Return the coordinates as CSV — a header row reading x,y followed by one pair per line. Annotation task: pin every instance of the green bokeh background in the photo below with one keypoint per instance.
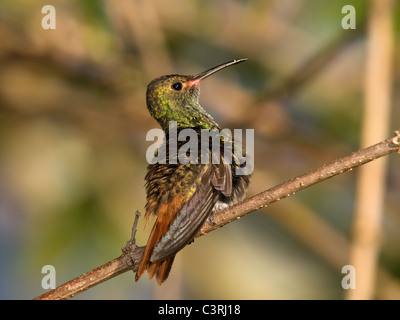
x,y
73,122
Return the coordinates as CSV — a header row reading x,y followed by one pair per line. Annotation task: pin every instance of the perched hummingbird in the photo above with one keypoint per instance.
x,y
183,196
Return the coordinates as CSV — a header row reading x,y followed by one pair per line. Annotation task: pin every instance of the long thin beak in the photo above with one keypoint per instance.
x,y
201,76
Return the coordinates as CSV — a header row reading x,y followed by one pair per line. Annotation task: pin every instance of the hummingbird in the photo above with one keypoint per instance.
x,y
183,196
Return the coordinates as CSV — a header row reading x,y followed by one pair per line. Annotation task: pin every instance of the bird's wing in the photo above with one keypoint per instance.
x,y
195,211
222,177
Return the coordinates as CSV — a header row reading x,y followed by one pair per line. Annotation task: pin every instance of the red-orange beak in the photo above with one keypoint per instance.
x,y
201,76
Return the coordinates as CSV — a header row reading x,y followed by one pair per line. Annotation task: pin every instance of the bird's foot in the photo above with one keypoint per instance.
x,y
131,244
210,219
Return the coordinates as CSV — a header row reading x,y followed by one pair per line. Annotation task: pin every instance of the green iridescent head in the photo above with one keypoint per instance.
x,y
176,98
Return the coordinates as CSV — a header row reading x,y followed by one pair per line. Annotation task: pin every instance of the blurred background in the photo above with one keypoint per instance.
x,y
73,122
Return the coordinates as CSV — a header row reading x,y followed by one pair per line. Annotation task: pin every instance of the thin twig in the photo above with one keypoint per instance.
x,y
131,256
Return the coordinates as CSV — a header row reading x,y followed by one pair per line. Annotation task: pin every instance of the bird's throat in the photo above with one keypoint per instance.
x,y
189,116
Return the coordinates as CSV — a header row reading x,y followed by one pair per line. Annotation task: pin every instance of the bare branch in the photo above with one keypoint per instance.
x,y
294,185
129,260
132,254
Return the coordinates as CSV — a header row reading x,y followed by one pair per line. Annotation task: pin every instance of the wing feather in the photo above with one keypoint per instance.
x,y
189,220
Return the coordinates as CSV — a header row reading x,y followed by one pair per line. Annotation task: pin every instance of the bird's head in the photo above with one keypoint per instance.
x,y
176,98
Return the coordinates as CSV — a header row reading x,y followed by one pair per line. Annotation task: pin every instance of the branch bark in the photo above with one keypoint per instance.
x,y
132,254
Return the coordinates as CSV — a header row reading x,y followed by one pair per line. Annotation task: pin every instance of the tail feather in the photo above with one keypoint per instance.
x,y
145,263
166,213
164,269
160,269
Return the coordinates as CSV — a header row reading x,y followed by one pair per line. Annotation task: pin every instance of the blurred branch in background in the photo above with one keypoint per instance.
x,y
139,24
307,71
371,182
313,65
327,242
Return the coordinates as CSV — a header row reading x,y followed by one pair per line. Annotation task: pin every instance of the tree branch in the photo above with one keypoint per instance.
x,y
132,254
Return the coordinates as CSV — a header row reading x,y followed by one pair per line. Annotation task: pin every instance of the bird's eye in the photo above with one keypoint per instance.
x,y
177,86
